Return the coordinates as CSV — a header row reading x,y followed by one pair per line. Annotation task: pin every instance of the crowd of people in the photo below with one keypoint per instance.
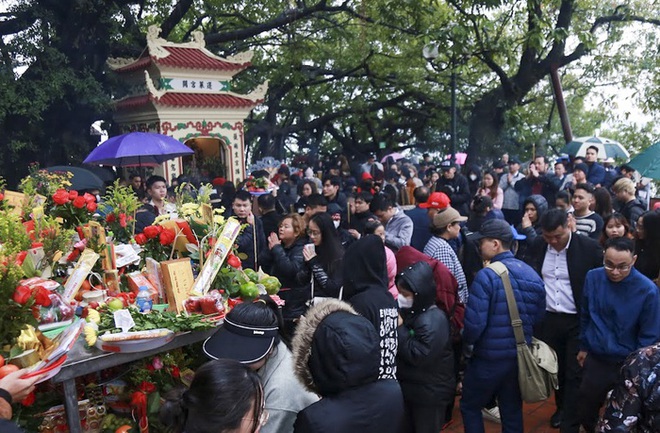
x,y
403,246
390,311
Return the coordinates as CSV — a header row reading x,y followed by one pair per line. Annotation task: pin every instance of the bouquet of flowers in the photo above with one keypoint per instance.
x,y
156,242
14,316
74,209
119,206
40,184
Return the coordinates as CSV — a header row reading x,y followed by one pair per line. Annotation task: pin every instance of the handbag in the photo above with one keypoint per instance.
x,y
319,299
537,363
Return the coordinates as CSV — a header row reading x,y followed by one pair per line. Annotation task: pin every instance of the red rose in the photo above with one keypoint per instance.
x,y
79,202
176,373
42,296
167,237
20,258
110,218
122,219
151,231
73,194
22,295
89,198
61,197
91,206
147,387
141,239
2,196
233,261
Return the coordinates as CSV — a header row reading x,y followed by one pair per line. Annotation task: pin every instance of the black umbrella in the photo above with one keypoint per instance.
x,y
83,179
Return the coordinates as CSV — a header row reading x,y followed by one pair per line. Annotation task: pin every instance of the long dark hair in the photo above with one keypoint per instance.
x,y
619,218
330,250
492,190
648,249
603,202
220,396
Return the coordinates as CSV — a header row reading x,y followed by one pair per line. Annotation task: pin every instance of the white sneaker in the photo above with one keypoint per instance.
x,y
492,414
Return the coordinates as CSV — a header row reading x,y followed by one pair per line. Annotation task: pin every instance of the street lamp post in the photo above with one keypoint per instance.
x,y
430,53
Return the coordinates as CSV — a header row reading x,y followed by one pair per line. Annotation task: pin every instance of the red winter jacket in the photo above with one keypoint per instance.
x,y
446,286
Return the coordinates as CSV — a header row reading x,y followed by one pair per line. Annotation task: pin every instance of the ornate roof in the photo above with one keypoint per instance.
x,y
198,100
188,55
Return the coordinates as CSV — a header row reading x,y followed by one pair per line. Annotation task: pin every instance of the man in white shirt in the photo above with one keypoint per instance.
x,y
563,258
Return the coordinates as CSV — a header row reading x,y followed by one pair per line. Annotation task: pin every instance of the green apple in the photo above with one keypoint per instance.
x,y
115,304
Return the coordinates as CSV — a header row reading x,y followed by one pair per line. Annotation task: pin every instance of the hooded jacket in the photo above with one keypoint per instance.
x,y
337,355
446,286
541,205
365,288
425,361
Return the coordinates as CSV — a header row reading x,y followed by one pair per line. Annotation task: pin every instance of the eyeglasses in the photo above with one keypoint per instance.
x,y
620,268
313,233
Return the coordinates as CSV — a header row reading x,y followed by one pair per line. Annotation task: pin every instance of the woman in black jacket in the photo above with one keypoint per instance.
x,y
336,354
284,260
425,359
323,260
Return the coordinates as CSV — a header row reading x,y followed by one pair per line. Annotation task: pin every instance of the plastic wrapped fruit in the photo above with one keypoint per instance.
x,y
208,304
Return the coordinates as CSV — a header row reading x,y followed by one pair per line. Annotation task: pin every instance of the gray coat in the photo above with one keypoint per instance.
x,y
399,230
284,394
511,196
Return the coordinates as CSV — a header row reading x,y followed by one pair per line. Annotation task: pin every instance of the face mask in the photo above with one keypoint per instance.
x,y
404,302
336,224
473,177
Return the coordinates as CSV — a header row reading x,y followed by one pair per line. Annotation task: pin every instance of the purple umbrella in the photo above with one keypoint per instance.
x,y
137,149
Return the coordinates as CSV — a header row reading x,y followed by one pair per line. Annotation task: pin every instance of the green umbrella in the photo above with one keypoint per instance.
x,y
647,163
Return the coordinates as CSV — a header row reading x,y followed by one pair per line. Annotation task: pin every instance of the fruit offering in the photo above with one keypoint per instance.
x,y
208,304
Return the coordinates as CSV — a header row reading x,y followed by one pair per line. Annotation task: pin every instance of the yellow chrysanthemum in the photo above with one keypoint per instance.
x,y
90,333
93,316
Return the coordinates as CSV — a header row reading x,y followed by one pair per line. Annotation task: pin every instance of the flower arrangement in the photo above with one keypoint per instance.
x,y
15,241
119,206
156,242
74,209
40,184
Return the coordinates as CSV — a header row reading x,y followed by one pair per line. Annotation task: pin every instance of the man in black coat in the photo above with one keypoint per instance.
x,y
455,185
242,209
562,258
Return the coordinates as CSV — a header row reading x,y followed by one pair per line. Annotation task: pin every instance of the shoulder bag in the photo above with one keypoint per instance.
x,y
537,363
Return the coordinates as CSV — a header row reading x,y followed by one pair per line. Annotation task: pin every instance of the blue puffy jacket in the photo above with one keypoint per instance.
x,y
487,320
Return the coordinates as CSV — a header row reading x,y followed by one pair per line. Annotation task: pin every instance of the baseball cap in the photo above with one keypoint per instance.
x,y
495,229
437,200
446,164
514,160
446,217
239,341
499,164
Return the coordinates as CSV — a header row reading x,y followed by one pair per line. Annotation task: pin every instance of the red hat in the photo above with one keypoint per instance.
x,y
366,176
437,200
218,181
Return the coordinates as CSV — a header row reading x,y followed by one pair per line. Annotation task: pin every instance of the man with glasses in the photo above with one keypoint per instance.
x,y
563,258
620,314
